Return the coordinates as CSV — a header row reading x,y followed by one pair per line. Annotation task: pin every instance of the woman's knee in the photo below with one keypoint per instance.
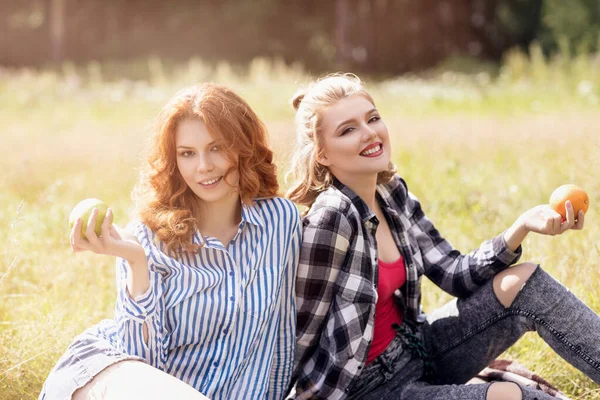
x,y
134,379
102,385
96,388
504,391
509,282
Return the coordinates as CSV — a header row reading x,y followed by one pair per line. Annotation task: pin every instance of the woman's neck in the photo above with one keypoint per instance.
x,y
221,219
365,187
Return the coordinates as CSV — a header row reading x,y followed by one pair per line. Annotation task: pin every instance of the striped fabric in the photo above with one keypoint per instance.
x,y
222,320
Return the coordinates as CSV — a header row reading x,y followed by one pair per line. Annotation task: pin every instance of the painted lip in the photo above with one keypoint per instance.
x,y
210,183
373,150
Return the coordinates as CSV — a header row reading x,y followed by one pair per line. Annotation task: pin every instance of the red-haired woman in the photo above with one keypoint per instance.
x,y
205,277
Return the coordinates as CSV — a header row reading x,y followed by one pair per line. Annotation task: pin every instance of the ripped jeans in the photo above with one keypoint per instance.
x,y
464,336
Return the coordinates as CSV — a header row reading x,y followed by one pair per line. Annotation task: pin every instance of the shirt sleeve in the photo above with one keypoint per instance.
x,y
456,273
131,314
281,368
325,245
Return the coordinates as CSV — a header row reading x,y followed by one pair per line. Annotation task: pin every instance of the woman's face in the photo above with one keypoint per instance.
x,y
355,141
203,163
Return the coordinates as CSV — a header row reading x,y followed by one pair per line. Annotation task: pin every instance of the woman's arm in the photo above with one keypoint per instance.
x,y
116,242
321,255
283,358
543,220
137,312
325,251
139,319
139,315
460,274
457,274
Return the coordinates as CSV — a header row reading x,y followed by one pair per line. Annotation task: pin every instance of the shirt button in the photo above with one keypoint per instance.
x,y
216,364
231,273
232,298
225,331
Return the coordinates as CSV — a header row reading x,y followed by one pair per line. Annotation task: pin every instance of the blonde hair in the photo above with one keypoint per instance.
x,y
165,203
309,176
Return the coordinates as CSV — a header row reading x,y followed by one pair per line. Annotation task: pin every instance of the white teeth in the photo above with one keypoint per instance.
x,y
371,150
207,183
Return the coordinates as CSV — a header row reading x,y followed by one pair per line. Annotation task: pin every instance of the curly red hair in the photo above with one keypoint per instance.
x,y
164,201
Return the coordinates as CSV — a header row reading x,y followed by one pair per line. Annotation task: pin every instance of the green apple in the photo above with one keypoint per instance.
x,y
83,210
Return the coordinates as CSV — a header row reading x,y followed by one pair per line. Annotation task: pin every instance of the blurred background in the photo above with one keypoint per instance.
x,y
376,36
490,105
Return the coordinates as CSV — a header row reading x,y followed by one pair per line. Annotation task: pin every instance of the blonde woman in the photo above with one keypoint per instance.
x,y
361,333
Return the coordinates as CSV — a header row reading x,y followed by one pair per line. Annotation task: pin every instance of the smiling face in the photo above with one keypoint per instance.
x,y
354,140
203,164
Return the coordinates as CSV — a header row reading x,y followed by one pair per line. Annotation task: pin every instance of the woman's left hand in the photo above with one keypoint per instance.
x,y
543,219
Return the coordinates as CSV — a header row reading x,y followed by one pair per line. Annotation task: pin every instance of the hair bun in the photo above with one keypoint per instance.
x,y
297,99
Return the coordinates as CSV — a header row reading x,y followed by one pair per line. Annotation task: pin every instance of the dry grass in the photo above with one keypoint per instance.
x,y
474,173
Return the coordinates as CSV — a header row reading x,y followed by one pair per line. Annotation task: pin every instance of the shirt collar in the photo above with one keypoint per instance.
x,y
385,199
251,214
364,211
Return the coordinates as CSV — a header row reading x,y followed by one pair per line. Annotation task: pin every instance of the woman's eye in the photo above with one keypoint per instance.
x,y
347,130
215,148
186,153
374,118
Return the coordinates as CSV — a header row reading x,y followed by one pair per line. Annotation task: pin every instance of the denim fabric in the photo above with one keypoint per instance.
x,y
465,335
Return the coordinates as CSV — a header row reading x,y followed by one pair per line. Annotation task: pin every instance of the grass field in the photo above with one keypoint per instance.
x,y
477,149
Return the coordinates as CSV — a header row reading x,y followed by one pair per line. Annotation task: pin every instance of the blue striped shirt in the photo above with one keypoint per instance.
x,y
223,320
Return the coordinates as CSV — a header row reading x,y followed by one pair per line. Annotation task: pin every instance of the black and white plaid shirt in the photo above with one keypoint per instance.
x,y
337,277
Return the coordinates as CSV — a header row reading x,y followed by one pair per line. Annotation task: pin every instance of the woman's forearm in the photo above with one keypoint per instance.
x,y
138,279
515,235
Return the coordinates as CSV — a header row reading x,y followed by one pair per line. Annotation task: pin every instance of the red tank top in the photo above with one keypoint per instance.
x,y
391,277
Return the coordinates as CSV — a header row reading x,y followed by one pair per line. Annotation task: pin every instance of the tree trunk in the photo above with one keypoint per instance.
x,y
341,39
57,29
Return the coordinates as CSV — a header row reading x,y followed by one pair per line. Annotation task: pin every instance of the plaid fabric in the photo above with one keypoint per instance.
x,y
337,275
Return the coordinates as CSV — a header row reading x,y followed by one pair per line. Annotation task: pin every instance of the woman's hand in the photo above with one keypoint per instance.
x,y
110,242
114,243
544,220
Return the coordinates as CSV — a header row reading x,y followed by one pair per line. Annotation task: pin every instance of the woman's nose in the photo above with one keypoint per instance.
x,y
369,133
205,164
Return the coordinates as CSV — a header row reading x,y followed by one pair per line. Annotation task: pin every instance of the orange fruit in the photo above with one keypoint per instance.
x,y
575,194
